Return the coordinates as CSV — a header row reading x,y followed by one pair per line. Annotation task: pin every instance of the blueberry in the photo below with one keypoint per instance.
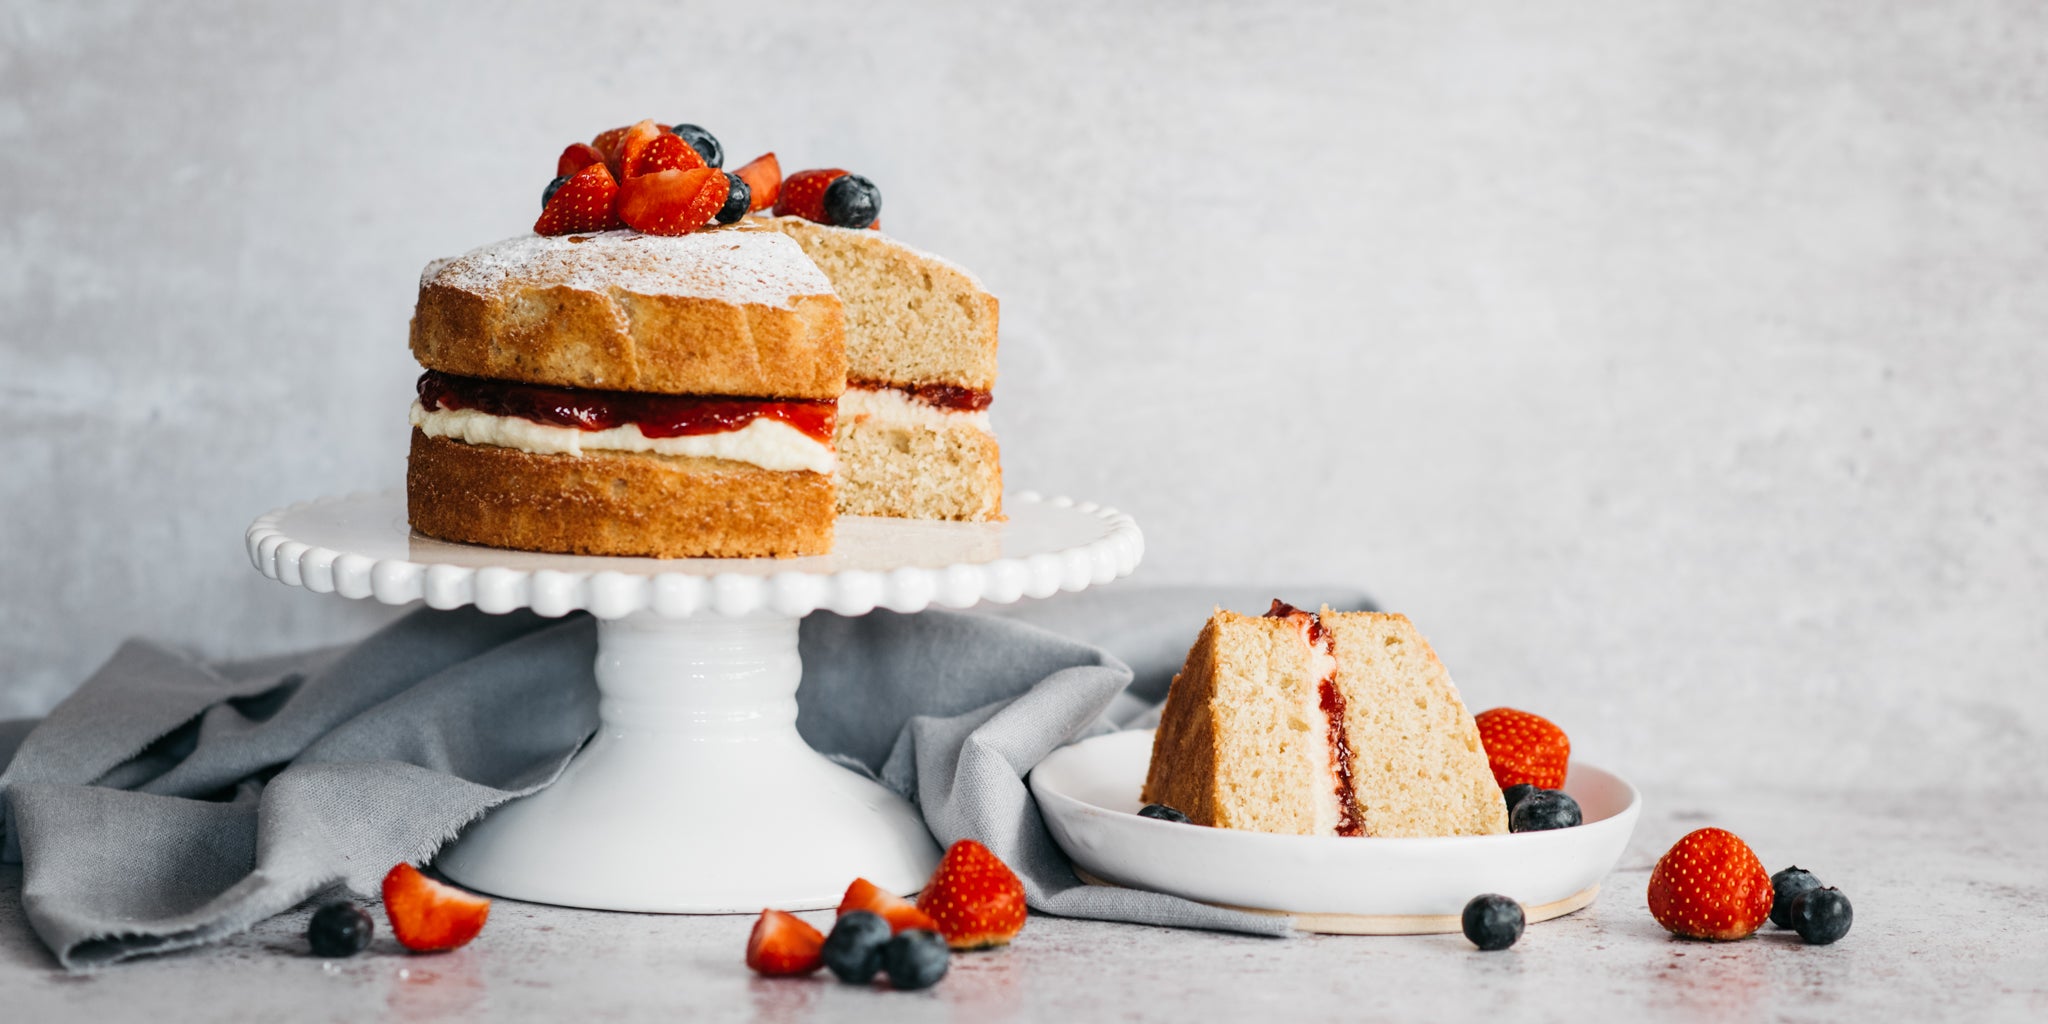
x,y
740,196
852,201
915,959
1162,812
705,143
1514,794
854,949
1786,886
549,192
1544,810
1493,921
1821,916
339,929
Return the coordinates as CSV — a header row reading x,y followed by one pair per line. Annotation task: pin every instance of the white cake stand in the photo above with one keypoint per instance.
x,y
697,795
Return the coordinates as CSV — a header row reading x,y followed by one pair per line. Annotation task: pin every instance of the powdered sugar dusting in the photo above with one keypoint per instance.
x,y
744,265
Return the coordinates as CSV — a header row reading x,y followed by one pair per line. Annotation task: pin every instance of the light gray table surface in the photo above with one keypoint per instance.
x,y
1951,898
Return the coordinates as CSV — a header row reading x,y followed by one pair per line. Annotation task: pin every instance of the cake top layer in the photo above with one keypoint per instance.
x,y
743,264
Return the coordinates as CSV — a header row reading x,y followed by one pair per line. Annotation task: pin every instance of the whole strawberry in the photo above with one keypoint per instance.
x,y
1521,747
1710,886
974,897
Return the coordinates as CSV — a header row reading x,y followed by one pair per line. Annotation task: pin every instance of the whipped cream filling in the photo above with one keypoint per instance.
x,y
768,443
889,407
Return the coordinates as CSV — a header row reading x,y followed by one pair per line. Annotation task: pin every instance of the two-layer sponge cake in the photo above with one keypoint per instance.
x,y
1338,723
621,393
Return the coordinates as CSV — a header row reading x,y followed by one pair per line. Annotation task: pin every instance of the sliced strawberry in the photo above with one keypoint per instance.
x,y
428,916
899,912
1710,885
583,203
763,174
636,139
803,194
975,898
672,202
783,943
1521,747
578,156
666,153
607,142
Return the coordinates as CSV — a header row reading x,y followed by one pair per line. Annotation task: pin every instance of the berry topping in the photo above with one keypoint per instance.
x,y
782,943
1162,812
664,153
578,156
854,949
1710,886
607,142
899,912
583,203
672,202
631,145
852,202
705,143
1493,921
1821,916
1786,886
1513,795
803,194
915,959
1543,810
1522,747
429,916
738,197
975,897
339,929
763,174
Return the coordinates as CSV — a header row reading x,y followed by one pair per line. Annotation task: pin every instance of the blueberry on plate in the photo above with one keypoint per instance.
x,y
1514,794
1493,921
1162,812
549,192
339,929
738,197
915,959
854,949
1544,810
1821,916
705,143
852,201
1786,886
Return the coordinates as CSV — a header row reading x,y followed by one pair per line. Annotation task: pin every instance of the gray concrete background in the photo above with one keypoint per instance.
x,y
1675,365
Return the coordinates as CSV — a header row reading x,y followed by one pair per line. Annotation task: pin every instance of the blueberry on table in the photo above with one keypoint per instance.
x,y
1821,916
738,197
915,959
1544,810
1514,794
1786,886
852,201
1162,812
1493,921
854,949
549,192
339,929
705,143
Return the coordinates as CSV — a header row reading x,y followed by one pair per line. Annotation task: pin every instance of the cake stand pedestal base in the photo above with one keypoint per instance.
x,y
696,795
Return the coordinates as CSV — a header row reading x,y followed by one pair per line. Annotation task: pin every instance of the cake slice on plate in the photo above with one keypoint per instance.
x,y
1333,724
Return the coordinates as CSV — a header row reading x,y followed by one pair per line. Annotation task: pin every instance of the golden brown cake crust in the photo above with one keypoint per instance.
x,y
735,311
614,503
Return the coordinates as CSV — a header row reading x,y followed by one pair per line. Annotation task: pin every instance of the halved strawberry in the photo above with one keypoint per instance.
x,y
607,142
783,943
1521,747
975,898
803,194
763,174
665,153
578,156
1710,885
630,145
672,202
429,917
899,912
583,203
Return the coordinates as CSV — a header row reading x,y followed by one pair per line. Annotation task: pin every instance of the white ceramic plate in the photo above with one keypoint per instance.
x,y
1088,793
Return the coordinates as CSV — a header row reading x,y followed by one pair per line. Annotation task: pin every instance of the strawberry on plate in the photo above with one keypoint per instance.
x,y
1709,885
899,912
428,916
575,158
975,898
782,943
583,203
665,153
763,174
1521,747
672,202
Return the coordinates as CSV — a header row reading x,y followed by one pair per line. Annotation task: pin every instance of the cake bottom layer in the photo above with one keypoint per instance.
x,y
918,472
614,503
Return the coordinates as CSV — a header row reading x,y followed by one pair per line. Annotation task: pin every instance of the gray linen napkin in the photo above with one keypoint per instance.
x,y
168,803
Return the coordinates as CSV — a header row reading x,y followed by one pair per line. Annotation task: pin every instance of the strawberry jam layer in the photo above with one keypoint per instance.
x,y
655,415
1350,822
949,397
